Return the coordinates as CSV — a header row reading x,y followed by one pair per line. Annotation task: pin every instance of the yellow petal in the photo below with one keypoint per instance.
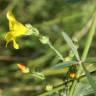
x,y
11,19
8,38
16,27
16,46
19,29
10,16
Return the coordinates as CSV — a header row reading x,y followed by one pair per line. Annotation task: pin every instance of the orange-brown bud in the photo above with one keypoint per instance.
x,y
23,68
72,75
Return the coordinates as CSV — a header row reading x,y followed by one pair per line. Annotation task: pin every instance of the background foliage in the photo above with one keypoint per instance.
x,y
50,17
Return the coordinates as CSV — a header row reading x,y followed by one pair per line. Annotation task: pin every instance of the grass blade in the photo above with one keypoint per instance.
x,y
71,45
65,64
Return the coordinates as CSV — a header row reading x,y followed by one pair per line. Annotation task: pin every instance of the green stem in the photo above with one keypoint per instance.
x,y
84,55
52,91
57,52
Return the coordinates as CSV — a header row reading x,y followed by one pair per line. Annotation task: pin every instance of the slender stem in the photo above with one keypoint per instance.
x,y
71,93
52,91
57,52
84,55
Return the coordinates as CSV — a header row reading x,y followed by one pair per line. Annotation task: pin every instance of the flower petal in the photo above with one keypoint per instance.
x,y
15,45
19,29
10,16
11,19
15,26
8,38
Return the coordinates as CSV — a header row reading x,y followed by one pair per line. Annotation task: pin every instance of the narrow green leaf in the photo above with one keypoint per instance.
x,y
71,45
65,64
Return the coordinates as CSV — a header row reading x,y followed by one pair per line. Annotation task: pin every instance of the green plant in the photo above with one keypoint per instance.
x,y
41,59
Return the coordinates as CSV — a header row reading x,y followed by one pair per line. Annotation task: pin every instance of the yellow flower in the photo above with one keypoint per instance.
x,y
16,29
23,68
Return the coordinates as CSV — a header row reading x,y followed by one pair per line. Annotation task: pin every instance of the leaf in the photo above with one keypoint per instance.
x,y
71,45
90,93
65,64
82,88
90,79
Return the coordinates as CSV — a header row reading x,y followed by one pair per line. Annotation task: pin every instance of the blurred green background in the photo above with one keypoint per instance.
x,y
50,17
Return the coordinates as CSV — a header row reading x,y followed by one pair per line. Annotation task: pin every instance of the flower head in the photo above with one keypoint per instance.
x,y
16,29
23,68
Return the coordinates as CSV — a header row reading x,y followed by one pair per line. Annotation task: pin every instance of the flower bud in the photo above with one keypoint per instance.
x,y
44,40
49,87
23,68
72,75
